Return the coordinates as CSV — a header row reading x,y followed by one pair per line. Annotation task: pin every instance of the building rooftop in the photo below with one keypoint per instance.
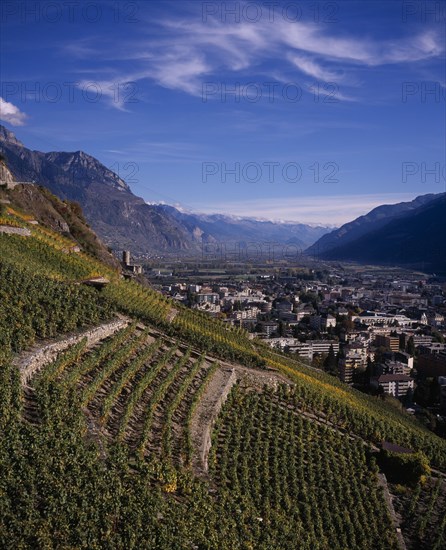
x,y
394,448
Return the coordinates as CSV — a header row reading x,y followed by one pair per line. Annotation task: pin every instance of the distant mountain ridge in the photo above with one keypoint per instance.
x,y
245,230
407,234
374,220
125,221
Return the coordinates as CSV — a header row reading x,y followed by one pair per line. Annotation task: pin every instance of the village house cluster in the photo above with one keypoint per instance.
x,y
380,331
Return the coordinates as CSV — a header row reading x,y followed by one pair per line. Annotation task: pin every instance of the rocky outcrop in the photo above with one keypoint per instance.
x,y
6,177
43,208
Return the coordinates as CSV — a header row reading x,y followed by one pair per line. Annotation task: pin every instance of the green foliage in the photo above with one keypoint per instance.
x,y
125,382
33,306
126,378
352,411
216,337
282,481
176,403
423,513
10,396
44,256
139,389
88,364
291,483
406,468
368,417
57,492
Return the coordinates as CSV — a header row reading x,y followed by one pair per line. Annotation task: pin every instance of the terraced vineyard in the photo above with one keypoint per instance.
x,y
290,481
423,511
91,444
348,408
33,306
135,388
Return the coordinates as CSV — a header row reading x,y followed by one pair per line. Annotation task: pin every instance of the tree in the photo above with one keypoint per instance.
x,y
427,392
408,468
368,371
318,361
410,347
330,363
408,398
281,329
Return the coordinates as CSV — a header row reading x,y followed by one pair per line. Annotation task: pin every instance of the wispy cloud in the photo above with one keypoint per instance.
x,y
11,114
313,209
188,51
112,89
144,152
180,69
310,67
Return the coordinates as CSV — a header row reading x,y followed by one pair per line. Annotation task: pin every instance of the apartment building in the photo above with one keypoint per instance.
x,y
394,384
389,342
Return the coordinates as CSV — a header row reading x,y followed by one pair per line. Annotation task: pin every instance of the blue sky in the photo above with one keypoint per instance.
x,y
306,111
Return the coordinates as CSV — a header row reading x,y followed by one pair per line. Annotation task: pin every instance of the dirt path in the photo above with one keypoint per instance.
x,y
205,414
213,399
172,314
259,378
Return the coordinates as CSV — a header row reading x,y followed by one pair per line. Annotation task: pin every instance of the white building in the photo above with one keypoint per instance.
x,y
395,384
328,321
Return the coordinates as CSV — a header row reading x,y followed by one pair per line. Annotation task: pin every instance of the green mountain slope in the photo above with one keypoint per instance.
x,y
62,217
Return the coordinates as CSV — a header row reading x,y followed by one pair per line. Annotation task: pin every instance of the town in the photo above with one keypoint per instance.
x,y
380,329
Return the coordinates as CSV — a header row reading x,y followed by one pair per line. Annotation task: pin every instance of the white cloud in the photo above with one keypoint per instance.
x,y
364,51
308,48
312,68
11,114
180,70
187,52
112,90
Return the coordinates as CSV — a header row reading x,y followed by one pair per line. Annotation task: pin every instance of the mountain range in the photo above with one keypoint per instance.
x,y
125,221
410,234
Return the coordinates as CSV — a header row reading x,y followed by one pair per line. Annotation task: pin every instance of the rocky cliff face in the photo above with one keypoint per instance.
x,y
50,211
5,175
7,136
86,170
121,219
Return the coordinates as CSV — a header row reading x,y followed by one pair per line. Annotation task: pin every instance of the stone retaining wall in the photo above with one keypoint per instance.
x,y
30,362
382,481
226,385
15,230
